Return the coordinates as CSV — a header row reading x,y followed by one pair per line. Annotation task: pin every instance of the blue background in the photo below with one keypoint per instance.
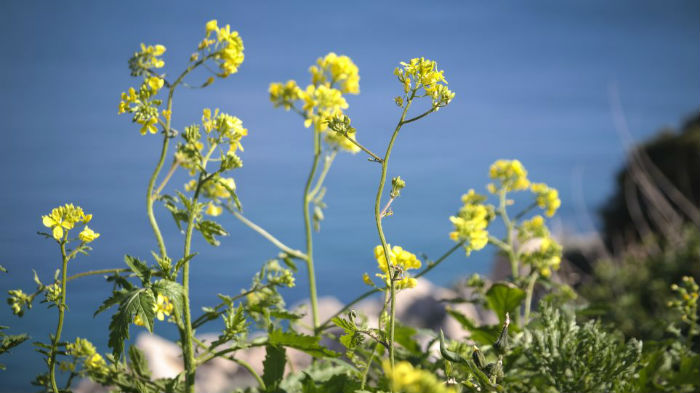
x,y
532,82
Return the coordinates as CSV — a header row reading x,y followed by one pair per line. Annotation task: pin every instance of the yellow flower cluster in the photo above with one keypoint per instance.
x,y
226,49
686,301
323,99
471,222
82,348
545,256
163,308
65,218
510,174
142,104
547,198
399,258
423,73
408,379
333,69
228,127
215,190
285,94
146,59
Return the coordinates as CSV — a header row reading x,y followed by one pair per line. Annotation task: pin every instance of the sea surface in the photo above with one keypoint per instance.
x,y
533,81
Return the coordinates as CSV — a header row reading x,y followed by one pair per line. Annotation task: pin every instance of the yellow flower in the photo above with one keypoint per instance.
x,y
87,235
367,279
155,83
211,26
333,69
163,307
546,198
148,125
138,321
421,73
64,217
511,175
285,94
213,210
400,258
405,378
472,221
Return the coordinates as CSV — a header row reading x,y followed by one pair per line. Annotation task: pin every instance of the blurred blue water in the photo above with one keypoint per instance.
x,y
531,82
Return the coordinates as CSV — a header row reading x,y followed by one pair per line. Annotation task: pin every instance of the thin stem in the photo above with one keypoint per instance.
x,y
308,232
369,364
321,177
171,171
96,272
433,109
150,198
444,256
423,272
388,205
149,192
295,253
250,369
528,296
364,149
380,230
61,312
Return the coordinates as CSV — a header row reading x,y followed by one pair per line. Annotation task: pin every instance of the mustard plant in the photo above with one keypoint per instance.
x,y
384,357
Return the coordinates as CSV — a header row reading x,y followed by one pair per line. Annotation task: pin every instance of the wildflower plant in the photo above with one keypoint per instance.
x,y
149,292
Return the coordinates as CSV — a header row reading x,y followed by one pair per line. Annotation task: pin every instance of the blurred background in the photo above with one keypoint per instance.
x,y
543,81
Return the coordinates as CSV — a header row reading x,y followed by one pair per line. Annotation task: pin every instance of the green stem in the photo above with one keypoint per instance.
x,y
151,183
380,230
308,232
528,297
369,364
150,196
294,253
187,332
328,162
423,272
96,272
61,312
252,372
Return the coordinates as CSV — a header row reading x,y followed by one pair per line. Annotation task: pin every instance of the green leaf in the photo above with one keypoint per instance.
x,y
139,268
273,367
116,298
484,335
182,261
173,291
504,297
403,335
139,302
209,229
302,342
138,364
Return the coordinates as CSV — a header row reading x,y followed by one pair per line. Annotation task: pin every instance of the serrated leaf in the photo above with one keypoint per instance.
x,y
173,291
209,229
183,260
504,297
114,299
139,302
302,342
139,267
273,367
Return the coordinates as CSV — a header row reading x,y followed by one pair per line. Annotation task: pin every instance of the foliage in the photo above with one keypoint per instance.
x,y
527,350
